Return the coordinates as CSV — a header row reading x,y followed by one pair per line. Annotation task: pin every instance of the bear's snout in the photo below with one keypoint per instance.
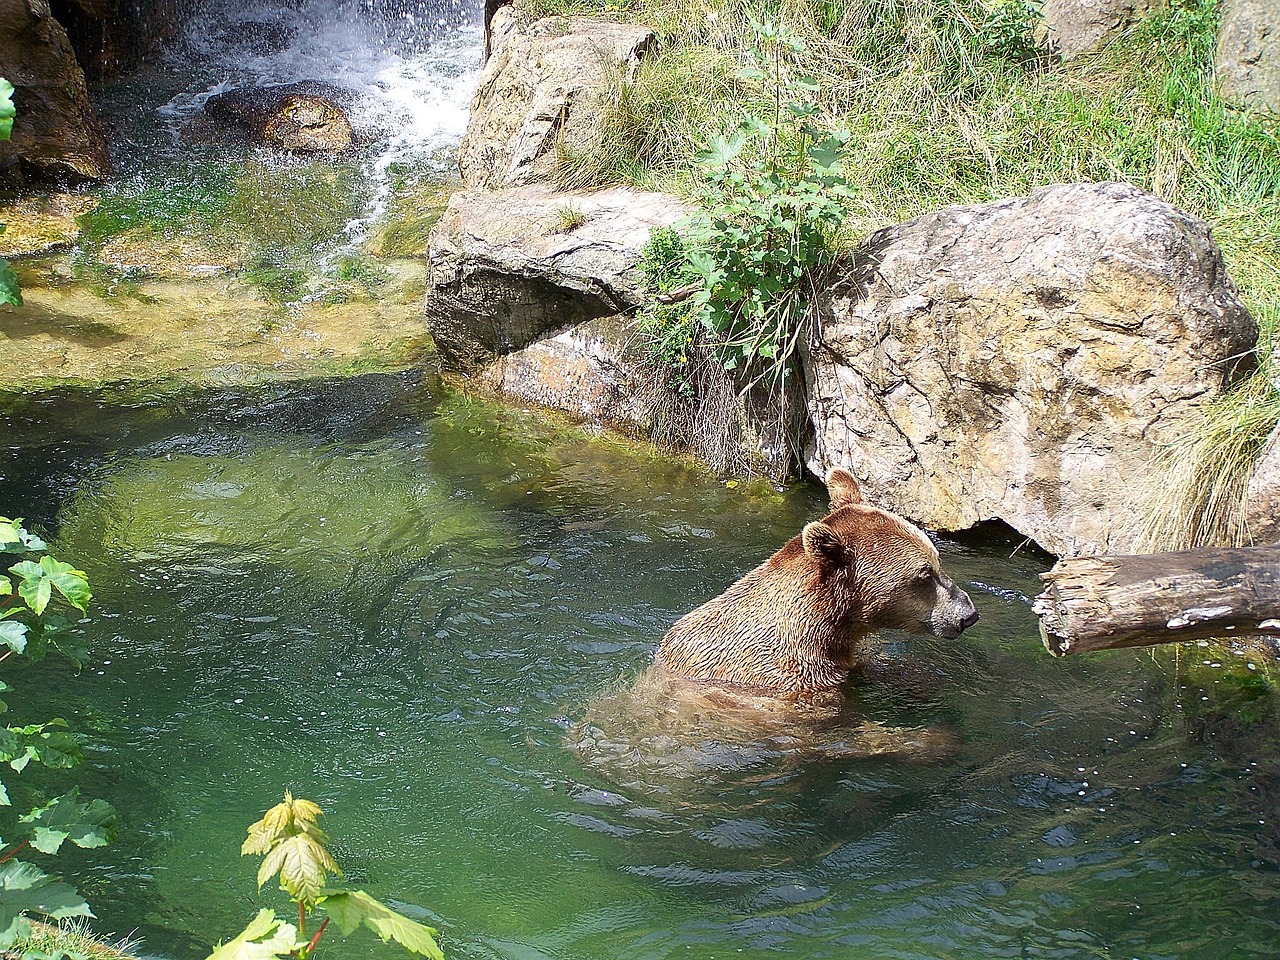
x,y
956,615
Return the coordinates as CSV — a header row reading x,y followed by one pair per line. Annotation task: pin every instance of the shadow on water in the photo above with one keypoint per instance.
x,y
406,604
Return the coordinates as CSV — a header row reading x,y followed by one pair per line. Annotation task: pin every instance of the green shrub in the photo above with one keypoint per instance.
x,y
773,195
35,599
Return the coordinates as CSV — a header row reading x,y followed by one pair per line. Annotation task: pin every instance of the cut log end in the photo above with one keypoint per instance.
x,y
1102,603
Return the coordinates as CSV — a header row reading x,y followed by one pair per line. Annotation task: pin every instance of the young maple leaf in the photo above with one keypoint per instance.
x,y
282,821
293,846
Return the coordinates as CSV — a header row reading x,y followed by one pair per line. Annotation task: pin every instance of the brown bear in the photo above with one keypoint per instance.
x,y
794,624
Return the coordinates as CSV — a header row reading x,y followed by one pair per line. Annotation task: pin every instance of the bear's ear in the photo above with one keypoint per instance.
x,y
823,543
843,488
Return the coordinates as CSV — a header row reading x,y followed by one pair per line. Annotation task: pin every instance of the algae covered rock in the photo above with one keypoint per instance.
x,y
1023,360
38,223
307,117
297,507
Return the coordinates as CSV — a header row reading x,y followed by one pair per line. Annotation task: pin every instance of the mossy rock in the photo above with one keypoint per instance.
x,y
40,223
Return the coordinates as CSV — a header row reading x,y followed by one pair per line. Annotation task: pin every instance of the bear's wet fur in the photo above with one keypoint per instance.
x,y
794,624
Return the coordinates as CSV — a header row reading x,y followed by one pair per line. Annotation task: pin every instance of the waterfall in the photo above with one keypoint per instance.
x,y
411,67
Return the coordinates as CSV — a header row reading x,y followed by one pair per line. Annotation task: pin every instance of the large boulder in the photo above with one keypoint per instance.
x,y
56,134
308,116
509,266
1083,26
112,37
531,293
1023,360
1247,62
541,94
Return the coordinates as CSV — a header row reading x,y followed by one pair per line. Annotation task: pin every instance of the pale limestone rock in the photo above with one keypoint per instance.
x,y
1247,62
1083,26
1262,500
541,93
531,292
587,371
509,266
1023,360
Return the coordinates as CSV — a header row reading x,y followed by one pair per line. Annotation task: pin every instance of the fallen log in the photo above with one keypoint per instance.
x,y
1098,603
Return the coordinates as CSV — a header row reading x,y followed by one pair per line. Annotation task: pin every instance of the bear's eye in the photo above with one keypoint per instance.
x,y
924,573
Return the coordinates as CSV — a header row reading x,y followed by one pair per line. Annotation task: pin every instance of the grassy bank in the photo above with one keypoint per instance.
x,y
956,101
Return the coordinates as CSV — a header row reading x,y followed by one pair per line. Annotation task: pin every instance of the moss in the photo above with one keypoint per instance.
x,y
414,209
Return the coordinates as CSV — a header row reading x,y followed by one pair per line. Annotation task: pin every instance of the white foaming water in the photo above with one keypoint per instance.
x,y
410,66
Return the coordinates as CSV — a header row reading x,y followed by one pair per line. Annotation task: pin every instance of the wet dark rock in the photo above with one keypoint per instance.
x,y
57,134
258,37
113,37
307,116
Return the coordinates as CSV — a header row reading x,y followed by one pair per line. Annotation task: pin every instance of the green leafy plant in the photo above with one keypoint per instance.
x,y
1010,31
9,290
292,846
34,599
773,195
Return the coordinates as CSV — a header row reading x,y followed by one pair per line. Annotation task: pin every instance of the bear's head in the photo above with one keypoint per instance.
x,y
892,568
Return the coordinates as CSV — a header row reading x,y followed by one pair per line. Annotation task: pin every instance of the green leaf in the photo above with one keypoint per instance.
x,y
13,635
87,825
7,110
39,580
54,748
14,538
352,908
282,821
25,888
10,288
267,937
303,865
71,646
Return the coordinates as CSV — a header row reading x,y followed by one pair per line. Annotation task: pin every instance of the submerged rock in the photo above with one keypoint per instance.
x,y
541,94
1023,360
38,223
1247,61
306,116
1083,26
57,134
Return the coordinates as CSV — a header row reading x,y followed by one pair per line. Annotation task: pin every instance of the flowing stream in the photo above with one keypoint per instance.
x,y
401,602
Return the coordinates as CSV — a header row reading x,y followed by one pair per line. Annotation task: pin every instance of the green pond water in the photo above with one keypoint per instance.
x,y
401,602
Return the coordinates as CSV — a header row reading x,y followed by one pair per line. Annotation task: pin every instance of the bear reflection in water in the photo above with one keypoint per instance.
x,y
755,673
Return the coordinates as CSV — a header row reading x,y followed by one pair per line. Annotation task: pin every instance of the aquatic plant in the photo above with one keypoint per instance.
x,y
71,939
292,846
9,290
30,623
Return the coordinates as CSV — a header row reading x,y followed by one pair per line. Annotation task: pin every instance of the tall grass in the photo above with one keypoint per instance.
x,y
942,113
